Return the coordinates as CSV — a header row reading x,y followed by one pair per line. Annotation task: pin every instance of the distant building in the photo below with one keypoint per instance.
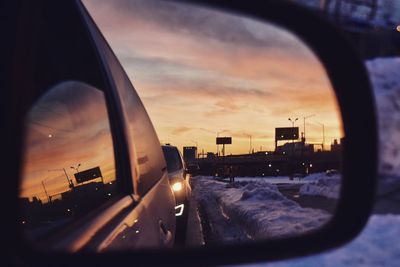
x,y
211,155
335,146
296,148
189,153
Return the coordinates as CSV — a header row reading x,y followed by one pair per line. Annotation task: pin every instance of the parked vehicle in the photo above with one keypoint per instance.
x,y
179,181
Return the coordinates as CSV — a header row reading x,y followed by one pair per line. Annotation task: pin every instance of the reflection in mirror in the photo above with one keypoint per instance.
x,y
250,107
68,169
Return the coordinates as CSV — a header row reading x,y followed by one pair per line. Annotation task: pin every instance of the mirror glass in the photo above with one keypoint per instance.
x,y
249,106
246,117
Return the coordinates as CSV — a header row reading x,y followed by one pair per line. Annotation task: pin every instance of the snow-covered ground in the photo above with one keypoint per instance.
x,y
323,185
316,184
385,78
377,245
273,179
387,15
256,207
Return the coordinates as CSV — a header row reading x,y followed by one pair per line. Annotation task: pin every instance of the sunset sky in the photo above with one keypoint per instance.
x,y
201,72
63,131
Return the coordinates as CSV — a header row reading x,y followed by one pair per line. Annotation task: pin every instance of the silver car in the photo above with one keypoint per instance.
x,y
179,180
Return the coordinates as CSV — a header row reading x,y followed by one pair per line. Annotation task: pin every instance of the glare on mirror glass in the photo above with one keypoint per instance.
x,y
246,102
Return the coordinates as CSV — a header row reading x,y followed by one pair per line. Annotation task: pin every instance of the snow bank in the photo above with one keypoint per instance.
x,y
386,84
322,185
387,13
272,179
384,74
375,246
259,208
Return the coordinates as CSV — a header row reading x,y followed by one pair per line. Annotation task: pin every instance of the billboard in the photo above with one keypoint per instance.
x,y
224,140
88,175
287,133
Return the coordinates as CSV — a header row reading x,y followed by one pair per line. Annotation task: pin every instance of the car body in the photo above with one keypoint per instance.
x,y
193,168
83,119
180,183
179,178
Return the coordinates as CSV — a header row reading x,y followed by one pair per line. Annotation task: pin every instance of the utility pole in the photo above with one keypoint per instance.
x,y
250,144
293,121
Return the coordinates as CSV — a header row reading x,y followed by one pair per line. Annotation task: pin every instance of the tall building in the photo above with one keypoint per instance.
x,y
189,153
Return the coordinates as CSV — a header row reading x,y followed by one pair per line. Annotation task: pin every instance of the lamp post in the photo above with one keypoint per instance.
x,y
293,121
76,168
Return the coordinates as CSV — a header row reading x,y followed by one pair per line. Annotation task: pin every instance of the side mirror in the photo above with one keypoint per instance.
x,y
86,61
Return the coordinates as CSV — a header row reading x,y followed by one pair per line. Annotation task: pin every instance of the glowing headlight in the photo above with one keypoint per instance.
x,y
177,186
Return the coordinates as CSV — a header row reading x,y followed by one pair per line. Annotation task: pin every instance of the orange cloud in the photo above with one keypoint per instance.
x,y
201,69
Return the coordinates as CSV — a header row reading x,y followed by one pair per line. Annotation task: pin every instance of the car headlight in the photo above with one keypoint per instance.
x,y
177,186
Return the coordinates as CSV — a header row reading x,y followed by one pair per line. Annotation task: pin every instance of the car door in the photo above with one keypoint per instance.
x,y
149,169
93,176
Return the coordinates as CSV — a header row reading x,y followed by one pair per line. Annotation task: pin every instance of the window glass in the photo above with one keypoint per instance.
x,y
69,166
172,158
147,162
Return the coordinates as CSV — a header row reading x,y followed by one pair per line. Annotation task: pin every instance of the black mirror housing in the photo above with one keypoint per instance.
x,y
352,87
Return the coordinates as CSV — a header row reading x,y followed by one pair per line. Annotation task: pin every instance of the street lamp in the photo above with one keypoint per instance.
x,y
293,121
76,168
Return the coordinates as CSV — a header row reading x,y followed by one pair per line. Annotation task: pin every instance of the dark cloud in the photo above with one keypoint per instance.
x,y
203,23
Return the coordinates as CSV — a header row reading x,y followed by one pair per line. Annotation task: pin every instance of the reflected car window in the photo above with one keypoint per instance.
x,y
147,160
69,166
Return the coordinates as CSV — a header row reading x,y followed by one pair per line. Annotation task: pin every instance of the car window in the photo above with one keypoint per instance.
x,y
147,161
69,167
174,162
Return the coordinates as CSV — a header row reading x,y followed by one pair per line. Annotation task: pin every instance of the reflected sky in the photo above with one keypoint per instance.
x,y
201,72
66,127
